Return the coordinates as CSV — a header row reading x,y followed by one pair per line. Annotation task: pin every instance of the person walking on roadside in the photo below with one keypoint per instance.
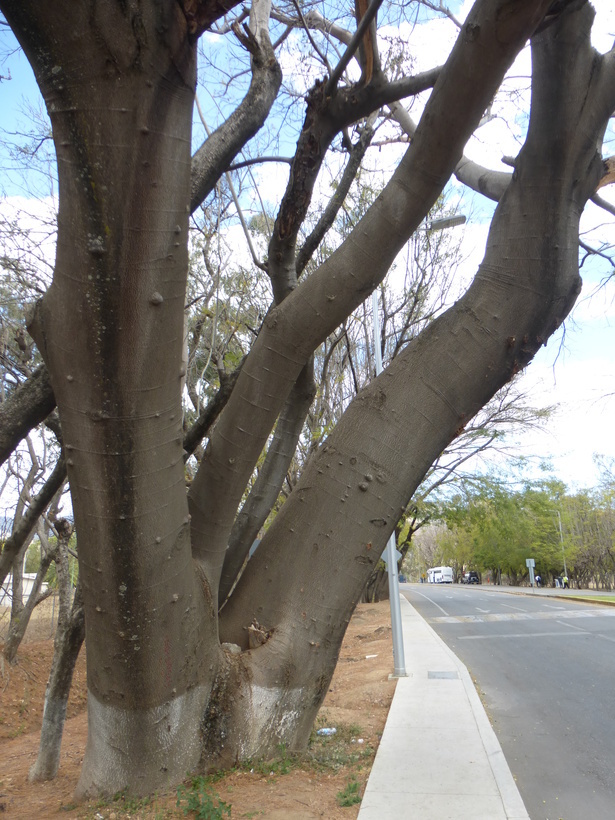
x,y
565,580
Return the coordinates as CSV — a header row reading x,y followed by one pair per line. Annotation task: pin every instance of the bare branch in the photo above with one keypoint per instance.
x,y
199,429
353,45
28,521
602,203
257,161
225,142
357,153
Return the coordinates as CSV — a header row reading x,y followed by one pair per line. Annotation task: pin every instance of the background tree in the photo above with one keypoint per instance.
x,y
497,525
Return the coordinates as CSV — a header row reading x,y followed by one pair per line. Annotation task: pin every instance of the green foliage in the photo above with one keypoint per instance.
x,y
494,528
200,801
349,796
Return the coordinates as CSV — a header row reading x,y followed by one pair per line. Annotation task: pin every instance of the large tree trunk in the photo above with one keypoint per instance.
x,y
118,82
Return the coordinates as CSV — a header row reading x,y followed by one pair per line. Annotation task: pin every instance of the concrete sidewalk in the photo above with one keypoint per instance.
x,y
439,757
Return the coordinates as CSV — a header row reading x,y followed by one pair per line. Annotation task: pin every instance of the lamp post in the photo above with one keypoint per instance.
x,y
561,540
445,222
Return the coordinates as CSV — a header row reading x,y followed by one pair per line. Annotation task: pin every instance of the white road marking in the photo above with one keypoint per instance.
x,y
525,635
571,614
431,601
572,626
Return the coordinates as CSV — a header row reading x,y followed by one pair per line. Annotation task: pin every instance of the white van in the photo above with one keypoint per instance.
x,y
440,575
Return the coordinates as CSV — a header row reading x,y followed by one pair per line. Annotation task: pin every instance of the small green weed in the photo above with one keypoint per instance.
x,y
350,795
201,801
283,763
128,803
122,804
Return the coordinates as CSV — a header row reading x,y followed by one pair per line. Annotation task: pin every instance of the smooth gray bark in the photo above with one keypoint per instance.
x,y
311,311
268,483
28,405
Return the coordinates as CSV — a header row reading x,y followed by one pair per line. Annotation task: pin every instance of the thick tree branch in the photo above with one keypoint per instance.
x,y
443,377
485,181
325,117
492,36
491,184
200,14
602,203
28,405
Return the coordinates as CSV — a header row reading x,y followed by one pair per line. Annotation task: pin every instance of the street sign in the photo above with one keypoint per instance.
x,y
530,564
385,557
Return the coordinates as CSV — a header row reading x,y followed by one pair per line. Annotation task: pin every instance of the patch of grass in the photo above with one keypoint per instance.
x,y
198,799
340,750
601,599
123,804
349,796
283,763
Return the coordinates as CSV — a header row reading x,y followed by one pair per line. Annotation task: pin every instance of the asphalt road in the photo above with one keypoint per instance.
x,y
545,669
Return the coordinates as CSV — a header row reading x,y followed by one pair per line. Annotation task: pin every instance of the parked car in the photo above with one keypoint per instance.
x,y
471,577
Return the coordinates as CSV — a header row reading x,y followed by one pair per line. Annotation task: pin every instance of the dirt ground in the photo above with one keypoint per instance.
x,y
317,785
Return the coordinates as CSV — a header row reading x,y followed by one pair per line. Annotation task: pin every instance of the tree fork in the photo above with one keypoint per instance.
x,y
334,526
484,50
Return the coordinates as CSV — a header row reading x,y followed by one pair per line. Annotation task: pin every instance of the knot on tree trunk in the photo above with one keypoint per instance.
x,y
257,634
